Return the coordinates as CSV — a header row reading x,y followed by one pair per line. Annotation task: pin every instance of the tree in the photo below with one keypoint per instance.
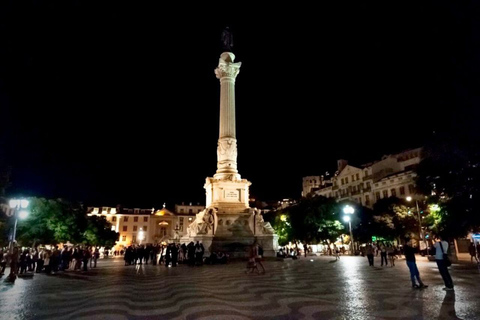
x,y
394,218
35,229
311,220
61,221
449,174
99,232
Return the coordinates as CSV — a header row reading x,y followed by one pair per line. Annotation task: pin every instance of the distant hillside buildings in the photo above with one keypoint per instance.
x,y
393,175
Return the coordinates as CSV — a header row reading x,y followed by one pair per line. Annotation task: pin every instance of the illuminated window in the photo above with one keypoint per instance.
x,y
134,238
181,223
124,238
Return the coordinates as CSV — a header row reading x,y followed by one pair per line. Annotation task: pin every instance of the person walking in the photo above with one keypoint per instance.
x,y
255,255
336,251
441,248
409,252
472,251
391,254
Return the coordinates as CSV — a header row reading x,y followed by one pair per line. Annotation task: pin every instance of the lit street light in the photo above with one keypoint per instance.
x,y
349,210
17,205
141,235
420,231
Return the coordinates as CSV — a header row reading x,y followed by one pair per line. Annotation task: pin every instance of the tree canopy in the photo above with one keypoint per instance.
x,y
449,175
58,221
313,219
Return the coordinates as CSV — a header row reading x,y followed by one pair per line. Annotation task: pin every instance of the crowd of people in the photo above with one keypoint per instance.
x,y
80,258
172,254
388,253
29,260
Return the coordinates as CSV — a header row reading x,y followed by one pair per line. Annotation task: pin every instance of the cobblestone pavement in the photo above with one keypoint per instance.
x,y
307,288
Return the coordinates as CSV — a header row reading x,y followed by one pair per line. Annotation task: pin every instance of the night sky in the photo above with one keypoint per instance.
x,y
117,103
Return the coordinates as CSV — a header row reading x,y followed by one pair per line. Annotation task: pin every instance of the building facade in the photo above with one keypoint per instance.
x,y
141,226
393,175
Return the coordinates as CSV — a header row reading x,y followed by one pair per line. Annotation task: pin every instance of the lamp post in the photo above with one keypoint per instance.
x,y
349,210
141,235
17,205
420,231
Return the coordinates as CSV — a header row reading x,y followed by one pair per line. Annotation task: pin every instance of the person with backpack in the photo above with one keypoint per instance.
x,y
441,257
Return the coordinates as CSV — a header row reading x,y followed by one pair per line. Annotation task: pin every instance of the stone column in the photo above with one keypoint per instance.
x,y
227,71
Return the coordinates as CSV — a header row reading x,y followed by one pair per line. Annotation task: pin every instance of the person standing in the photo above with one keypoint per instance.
x,y
3,262
441,247
369,252
383,254
412,265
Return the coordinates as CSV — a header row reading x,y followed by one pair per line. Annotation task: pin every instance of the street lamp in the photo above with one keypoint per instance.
x,y
141,235
420,231
349,210
17,205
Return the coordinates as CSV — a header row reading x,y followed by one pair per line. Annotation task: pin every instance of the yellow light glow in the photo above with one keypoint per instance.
x,y
434,208
283,217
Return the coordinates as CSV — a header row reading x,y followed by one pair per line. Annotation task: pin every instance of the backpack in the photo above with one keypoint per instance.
x,y
260,251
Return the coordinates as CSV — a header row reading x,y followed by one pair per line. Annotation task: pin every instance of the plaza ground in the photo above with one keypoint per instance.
x,y
307,288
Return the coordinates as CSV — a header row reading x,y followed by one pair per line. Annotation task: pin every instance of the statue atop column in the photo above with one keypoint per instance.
x,y
227,39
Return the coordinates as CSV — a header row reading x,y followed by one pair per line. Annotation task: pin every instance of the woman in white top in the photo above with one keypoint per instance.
x,y
442,267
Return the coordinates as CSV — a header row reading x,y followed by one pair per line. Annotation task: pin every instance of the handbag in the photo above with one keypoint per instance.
x,y
447,261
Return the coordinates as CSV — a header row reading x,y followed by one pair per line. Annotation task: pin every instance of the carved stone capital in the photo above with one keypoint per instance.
x,y
227,69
